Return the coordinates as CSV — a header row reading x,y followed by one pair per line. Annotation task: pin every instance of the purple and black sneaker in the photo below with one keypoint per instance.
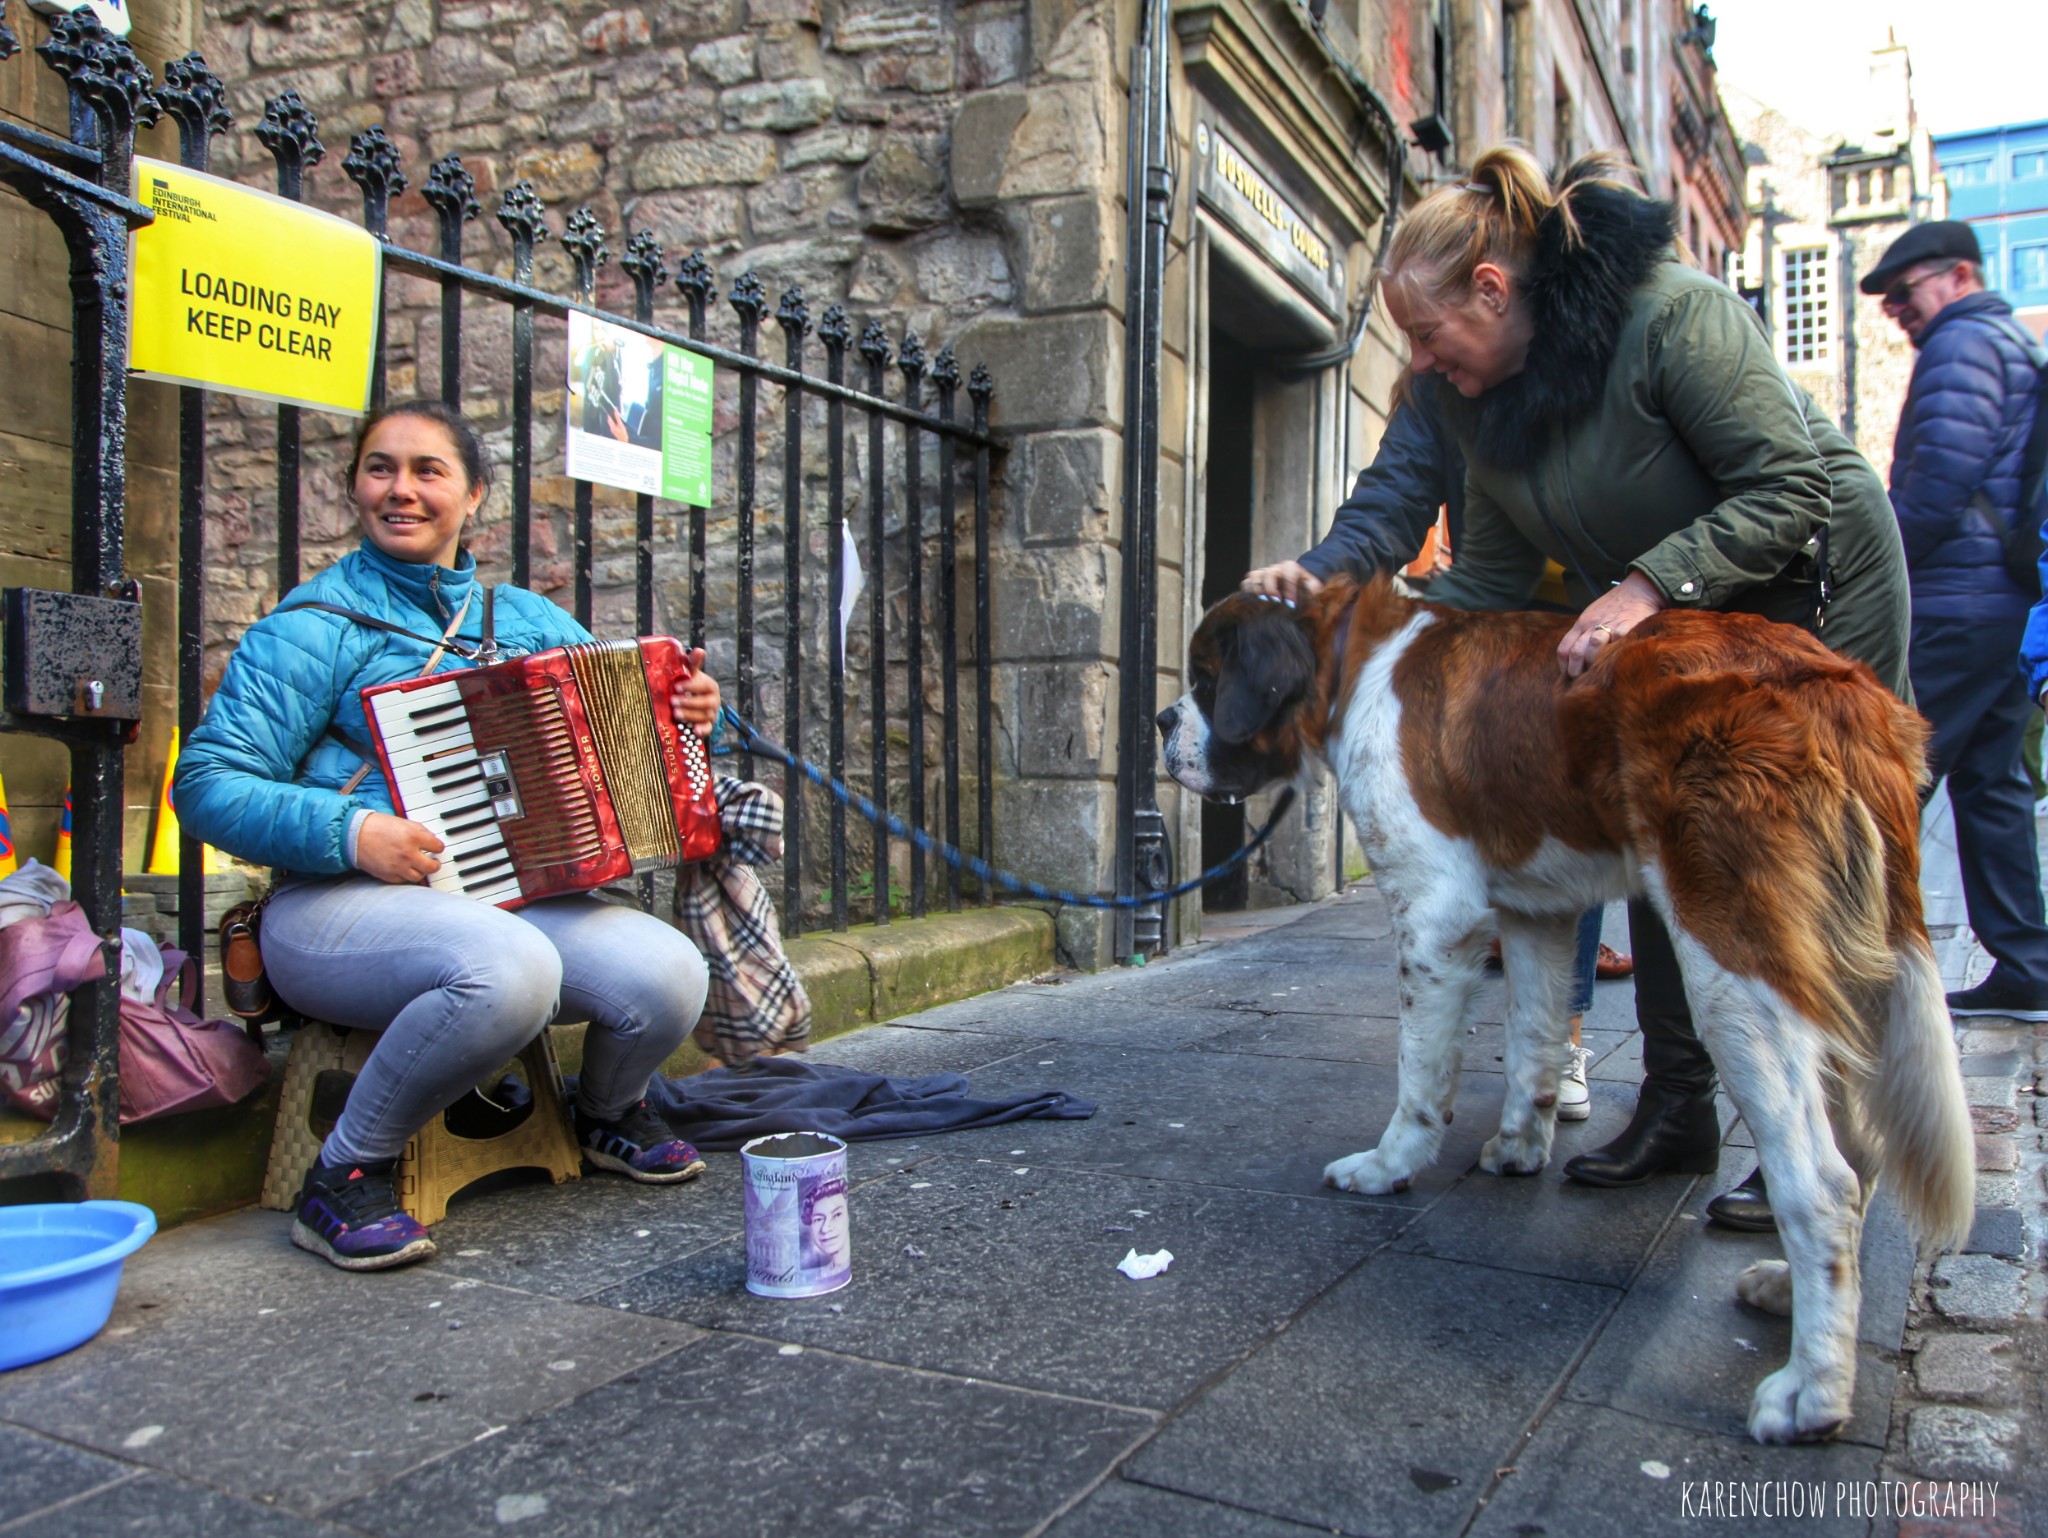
x,y
349,1213
639,1145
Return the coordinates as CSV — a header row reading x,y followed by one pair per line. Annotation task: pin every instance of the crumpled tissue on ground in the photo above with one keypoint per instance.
x,y
1138,1267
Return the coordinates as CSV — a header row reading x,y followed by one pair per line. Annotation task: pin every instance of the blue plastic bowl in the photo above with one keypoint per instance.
x,y
60,1265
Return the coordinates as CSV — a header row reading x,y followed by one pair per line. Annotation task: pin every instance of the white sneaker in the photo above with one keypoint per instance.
x,y
1574,1100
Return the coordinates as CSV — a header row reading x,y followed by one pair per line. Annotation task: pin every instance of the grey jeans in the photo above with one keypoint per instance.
x,y
457,987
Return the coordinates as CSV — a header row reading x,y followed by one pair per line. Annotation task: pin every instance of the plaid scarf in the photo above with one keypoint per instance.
x,y
756,1004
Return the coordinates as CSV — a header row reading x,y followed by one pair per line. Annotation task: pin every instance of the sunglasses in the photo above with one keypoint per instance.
x,y
1897,296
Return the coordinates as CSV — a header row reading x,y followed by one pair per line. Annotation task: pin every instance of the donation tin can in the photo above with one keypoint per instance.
x,y
796,1220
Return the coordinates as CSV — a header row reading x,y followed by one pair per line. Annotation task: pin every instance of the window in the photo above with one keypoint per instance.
x,y
1969,173
1514,64
2030,267
1806,281
2027,163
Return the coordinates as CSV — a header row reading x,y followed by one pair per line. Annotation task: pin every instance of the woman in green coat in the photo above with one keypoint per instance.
x,y
1624,415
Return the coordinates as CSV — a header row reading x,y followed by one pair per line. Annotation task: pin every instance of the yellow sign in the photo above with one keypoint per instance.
x,y
246,292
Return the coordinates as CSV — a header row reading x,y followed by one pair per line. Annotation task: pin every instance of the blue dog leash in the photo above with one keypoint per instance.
x,y
752,741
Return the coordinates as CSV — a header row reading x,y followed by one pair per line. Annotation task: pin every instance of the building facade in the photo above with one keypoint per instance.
x,y
968,169
1823,208
1997,179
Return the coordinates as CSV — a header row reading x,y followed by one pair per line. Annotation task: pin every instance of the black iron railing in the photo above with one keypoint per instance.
x,y
82,184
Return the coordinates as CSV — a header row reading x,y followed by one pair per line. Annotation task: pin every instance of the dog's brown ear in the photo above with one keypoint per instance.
x,y
1267,670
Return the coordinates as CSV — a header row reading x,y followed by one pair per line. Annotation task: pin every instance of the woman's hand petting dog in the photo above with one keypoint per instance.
x,y
1289,580
1614,613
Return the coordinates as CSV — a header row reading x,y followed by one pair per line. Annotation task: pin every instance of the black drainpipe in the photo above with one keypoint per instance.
x,y
1141,848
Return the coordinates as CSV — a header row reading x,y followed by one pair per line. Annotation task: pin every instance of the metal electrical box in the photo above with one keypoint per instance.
x,y
73,655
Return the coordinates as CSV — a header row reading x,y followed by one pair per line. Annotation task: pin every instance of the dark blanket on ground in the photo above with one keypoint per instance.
x,y
724,1108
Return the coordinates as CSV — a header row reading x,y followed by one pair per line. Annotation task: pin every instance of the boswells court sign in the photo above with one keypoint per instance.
x,y
1243,196
242,291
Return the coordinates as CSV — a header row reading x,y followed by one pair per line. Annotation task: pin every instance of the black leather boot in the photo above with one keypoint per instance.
x,y
1674,1132
1747,1207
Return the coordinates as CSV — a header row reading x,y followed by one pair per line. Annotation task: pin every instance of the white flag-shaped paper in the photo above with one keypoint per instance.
x,y
854,580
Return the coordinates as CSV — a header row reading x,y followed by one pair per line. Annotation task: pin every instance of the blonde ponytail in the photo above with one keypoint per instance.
x,y
1494,215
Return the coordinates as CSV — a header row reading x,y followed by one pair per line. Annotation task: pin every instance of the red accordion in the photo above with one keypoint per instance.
x,y
548,774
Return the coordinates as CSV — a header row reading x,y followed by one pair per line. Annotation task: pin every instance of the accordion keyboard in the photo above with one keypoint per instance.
x,y
550,773
478,775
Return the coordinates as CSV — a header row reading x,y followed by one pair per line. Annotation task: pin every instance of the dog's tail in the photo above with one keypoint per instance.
x,y
1916,1106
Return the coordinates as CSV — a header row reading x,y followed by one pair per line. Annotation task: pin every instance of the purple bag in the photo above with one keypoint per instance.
x,y
171,1060
41,961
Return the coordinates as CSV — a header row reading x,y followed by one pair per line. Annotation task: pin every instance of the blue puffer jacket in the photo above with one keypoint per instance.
x,y
1963,429
262,776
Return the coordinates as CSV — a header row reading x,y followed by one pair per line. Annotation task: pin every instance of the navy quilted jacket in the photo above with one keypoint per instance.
x,y
262,776
1963,430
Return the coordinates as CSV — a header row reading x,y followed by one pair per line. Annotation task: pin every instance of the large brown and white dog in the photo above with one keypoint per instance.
x,y
1759,790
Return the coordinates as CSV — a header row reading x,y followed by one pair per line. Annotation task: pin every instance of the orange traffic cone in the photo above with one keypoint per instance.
x,y
7,864
61,861
163,849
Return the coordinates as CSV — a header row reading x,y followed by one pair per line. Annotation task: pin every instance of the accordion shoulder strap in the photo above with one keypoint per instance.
x,y
446,643
440,648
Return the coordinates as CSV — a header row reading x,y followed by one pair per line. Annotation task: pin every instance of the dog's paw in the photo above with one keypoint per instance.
x,y
1505,1155
1366,1173
1767,1285
1790,1407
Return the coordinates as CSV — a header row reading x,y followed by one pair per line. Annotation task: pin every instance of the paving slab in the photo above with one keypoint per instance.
x,y
1293,945
1267,1124
156,1506
763,1444
954,1261
1623,1064
1888,1253
1355,1038
1547,1224
1375,1039
902,1053
574,1239
1122,1508
36,1471
1386,1409
1683,1351
1053,1014
1595,1473
234,1359
1365,986
1359,912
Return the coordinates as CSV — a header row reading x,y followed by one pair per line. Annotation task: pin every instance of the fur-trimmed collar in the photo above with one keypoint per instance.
x,y
1579,298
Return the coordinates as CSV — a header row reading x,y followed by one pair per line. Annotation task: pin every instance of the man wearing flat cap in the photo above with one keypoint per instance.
x,y
1956,473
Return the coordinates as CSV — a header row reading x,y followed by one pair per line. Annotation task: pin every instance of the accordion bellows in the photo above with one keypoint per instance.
x,y
549,774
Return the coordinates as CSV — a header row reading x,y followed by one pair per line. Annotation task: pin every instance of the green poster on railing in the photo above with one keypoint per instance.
x,y
639,413
686,427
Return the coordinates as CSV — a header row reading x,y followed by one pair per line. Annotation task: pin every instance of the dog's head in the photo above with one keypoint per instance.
x,y
1239,728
